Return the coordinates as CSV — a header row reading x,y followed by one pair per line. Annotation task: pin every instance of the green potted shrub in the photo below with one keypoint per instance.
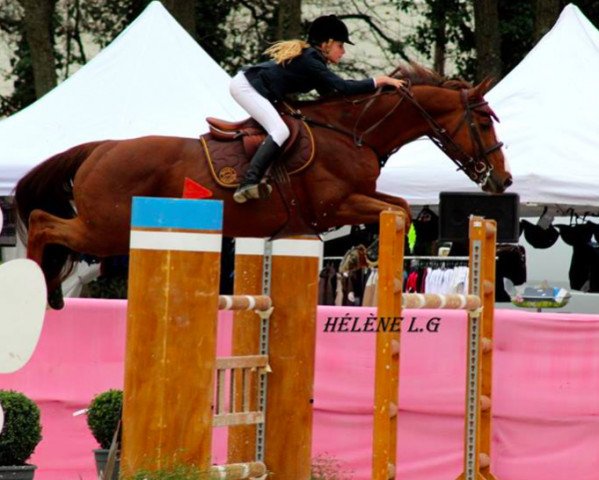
x,y
21,433
103,417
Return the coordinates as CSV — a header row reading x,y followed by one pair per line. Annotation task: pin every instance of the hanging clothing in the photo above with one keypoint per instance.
x,y
371,289
327,285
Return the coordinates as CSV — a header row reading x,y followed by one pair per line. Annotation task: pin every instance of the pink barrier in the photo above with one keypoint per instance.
x,y
546,392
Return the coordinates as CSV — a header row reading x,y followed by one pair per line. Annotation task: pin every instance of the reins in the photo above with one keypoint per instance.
x,y
358,138
300,116
478,168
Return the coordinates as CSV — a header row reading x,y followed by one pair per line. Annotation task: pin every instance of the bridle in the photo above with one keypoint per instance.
x,y
477,167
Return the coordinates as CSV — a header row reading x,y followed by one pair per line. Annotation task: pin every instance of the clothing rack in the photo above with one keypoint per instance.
x,y
412,257
437,258
442,262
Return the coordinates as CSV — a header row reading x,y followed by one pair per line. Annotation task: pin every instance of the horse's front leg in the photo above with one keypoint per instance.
x,y
398,201
358,208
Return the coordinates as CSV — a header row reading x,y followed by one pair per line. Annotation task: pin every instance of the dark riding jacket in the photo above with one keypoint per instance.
x,y
305,72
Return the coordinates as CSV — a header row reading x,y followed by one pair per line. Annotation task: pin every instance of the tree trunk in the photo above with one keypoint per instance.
x,y
184,13
439,25
39,29
290,20
487,39
546,13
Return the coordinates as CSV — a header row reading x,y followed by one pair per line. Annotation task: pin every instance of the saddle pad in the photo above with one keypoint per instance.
x,y
228,160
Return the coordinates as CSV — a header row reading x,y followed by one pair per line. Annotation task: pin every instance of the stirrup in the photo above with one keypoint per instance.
x,y
253,191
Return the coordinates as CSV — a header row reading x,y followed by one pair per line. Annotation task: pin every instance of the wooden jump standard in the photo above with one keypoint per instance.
x,y
287,271
170,403
480,306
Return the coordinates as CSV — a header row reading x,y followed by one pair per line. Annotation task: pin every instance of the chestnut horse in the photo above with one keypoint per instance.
x,y
80,200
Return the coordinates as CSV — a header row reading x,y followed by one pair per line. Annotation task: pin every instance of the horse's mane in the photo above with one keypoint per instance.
x,y
415,73
420,75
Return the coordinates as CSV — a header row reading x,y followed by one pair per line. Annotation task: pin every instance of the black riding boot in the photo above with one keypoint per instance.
x,y
250,185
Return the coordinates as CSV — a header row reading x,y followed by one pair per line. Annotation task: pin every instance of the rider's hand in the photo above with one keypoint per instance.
x,y
392,82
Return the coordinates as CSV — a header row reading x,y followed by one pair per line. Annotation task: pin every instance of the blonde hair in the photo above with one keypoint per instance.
x,y
286,50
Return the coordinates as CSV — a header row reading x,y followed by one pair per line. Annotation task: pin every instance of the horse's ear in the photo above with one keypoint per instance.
x,y
483,87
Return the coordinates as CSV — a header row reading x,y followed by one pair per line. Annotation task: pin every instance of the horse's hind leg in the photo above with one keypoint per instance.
x,y
64,236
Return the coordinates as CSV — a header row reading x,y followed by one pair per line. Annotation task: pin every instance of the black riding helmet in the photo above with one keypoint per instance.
x,y
326,28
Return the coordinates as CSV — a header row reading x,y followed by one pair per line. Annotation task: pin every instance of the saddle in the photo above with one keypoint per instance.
x,y
229,147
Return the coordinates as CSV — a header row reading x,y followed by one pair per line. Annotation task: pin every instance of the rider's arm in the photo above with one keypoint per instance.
x,y
327,81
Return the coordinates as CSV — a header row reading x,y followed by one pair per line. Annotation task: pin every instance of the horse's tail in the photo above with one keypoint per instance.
x,y
48,187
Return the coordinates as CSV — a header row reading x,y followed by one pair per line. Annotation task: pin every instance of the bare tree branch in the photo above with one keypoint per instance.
x,y
396,46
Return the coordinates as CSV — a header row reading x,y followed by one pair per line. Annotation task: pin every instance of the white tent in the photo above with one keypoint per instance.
x,y
152,79
549,111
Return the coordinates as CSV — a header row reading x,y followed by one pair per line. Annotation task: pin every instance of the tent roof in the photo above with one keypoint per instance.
x,y
549,111
152,79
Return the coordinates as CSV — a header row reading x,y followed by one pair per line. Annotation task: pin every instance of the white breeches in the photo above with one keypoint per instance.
x,y
259,108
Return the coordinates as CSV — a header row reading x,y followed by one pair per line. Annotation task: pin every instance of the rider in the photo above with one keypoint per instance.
x,y
296,67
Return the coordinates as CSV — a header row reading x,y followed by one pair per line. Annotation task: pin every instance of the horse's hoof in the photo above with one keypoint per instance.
x,y
56,300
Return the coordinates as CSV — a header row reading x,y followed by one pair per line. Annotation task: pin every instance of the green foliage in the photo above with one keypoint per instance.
x,y
180,472
323,468
12,25
236,32
211,30
103,416
106,19
516,30
250,28
112,282
448,21
589,7
22,428
24,87
106,287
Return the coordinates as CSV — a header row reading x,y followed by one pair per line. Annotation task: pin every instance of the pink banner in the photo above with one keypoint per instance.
x,y
545,391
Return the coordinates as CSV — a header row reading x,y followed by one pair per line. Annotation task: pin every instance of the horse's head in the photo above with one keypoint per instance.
x,y
472,143
460,122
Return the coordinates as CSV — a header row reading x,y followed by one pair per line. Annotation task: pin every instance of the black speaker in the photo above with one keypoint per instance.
x,y
8,233
455,209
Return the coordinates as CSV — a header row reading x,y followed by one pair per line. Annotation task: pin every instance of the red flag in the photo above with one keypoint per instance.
x,y
193,189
